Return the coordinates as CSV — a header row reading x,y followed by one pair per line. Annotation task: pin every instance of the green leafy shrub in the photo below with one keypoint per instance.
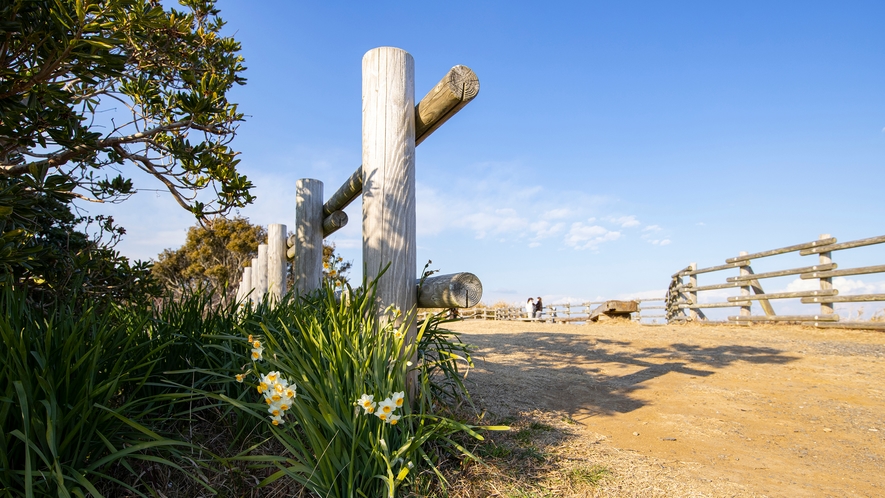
x,y
335,354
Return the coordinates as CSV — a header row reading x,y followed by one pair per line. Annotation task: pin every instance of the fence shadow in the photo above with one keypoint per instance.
x,y
585,376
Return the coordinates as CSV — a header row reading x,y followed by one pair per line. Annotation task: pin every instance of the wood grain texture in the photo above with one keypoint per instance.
x,y
307,266
456,290
729,304
826,282
253,296
781,273
693,296
847,325
389,220
247,284
745,289
862,270
276,261
261,269
454,91
845,245
856,298
714,268
786,295
782,250
334,222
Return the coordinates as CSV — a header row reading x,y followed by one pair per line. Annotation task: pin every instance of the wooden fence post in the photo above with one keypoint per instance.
x,y
388,171
254,295
745,289
276,261
826,283
693,295
261,282
308,262
246,284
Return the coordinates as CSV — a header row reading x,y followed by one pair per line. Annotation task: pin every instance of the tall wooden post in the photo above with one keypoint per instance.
x,y
246,285
308,263
745,289
693,295
276,261
389,176
254,297
261,282
826,283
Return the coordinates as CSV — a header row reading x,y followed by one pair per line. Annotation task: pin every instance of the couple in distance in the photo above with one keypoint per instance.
x,y
534,308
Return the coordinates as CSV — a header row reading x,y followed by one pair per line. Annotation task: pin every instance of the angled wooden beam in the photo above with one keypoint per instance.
x,y
457,88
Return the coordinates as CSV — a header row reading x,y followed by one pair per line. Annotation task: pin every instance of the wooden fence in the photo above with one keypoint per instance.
x,y
683,303
649,309
392,127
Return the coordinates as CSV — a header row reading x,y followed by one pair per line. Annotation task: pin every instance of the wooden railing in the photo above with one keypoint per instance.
x,y
683,303
558,313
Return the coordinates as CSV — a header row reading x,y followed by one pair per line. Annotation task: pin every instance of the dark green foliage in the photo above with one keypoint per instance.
x,y
90,84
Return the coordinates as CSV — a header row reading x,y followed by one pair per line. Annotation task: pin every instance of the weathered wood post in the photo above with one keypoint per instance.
x,y
826,283
693,295
245,285
261,281
254,297
388,177
745,289
308,258
276,261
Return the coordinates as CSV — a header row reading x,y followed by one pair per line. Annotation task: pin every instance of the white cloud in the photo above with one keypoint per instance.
x,y
496,222
582,236
544,229
625,221
652,228
657,242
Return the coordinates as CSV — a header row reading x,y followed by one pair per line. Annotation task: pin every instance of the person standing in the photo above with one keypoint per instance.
x,y
530,308
539,308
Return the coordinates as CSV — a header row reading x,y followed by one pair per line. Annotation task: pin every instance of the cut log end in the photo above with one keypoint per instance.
x,y
457,290
463,81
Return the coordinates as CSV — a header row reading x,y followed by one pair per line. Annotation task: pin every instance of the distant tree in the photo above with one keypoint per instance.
x,y
212,257
88,85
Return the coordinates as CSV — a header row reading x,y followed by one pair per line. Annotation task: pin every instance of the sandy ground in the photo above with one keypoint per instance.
x,y
717,410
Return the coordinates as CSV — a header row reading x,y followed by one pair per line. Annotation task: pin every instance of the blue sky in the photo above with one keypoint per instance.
x,y
611,144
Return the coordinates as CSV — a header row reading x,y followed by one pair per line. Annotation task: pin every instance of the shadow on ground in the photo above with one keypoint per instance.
x,y
576,375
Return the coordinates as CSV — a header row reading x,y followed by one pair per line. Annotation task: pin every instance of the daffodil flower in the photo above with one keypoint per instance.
x,y
398,398
387,406
256,353
240,378
367,402
392,419
277,420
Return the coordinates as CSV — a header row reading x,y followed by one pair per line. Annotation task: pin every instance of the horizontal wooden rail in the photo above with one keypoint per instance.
x,y
715,305
457,88
782,273
856,298
653,308
847,325
841,273
708,287
787,295
784,318
681,272
458,290
783,250
728,266
845,245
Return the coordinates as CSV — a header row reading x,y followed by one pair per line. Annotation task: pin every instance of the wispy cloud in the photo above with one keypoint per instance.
x,y
625,221
652,228
582,236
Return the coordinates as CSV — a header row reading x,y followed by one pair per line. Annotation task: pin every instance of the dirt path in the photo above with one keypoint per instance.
x,y
729,411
